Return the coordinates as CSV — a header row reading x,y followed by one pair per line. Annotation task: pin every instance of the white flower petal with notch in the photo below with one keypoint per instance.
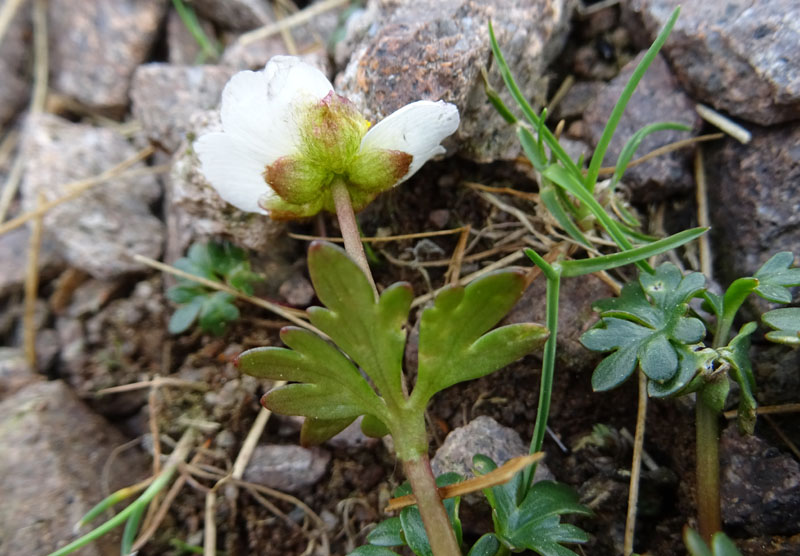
x,y
417,129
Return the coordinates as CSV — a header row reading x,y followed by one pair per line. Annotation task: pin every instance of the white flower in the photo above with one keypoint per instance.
x,y
287,136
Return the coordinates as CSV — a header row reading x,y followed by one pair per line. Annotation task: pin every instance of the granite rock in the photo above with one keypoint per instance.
x,y
14,247
760,487
49,472
482,435
197,213
96,46
754,198
740,56
658,98
413,51
165,96
15,373
15,56
99,231
286,467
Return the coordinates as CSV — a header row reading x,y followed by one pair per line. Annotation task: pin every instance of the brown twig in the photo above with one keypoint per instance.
x,y
417,235
701,195
636,467
768,410
454,270
32,289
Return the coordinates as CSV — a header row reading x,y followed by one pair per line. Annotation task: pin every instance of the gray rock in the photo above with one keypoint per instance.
x,y
482,435
413,51
195,212
15,56
770,546
15,373
658,98
54,452
165,96
578,99
99,231
240,15
351,439
97,45
288,468
760,487
255,55
14,247
754,198
740,57
182,48
297,291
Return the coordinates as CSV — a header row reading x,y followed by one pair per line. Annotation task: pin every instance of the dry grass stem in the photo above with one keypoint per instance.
x,y
11,186
417,235
560,93
281,12
636,467
534,197
292,315
157,381
10,142
41,63
210,526
701,195
7,12
502,263
32,289
78,188
724,123
293,20
454,270
768,410
609,170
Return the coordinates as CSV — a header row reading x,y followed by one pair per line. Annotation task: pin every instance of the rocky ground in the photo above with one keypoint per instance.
x,y
127,78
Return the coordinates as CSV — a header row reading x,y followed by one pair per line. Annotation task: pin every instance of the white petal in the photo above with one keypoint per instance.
x,y
232,170
257,107
417,129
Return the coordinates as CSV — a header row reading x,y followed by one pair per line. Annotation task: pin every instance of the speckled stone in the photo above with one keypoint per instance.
x,y
54,451
96,45
740,56
412,51
754,198
165,96
286,467
658,98
195,212
99,231
759,486
240,15
15,56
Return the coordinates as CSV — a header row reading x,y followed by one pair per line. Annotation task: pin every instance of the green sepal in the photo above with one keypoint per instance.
x,y
316,431
786,323
776,276
454,345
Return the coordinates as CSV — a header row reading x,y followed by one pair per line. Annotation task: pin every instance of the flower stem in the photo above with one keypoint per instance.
x,y
349,228
708,502
437,524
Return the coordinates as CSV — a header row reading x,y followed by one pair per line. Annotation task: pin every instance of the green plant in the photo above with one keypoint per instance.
x,y
650,326
211,309
721,545
368,335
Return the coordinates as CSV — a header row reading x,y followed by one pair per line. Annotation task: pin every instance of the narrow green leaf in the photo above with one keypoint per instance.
x,y
622,102
532,148
627,152
131,529
737,354
614,260
694,543
547,194
735,295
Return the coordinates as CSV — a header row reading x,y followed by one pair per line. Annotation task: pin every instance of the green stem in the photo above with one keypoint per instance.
x,y
437,524
708,502
553,275
349,228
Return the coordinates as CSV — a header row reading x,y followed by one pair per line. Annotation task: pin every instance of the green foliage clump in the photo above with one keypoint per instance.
x,y
211,309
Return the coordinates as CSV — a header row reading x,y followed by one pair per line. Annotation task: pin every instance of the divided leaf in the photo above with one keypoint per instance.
x,y
535,521
647,324
454,342
786,324
776,276
369,332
